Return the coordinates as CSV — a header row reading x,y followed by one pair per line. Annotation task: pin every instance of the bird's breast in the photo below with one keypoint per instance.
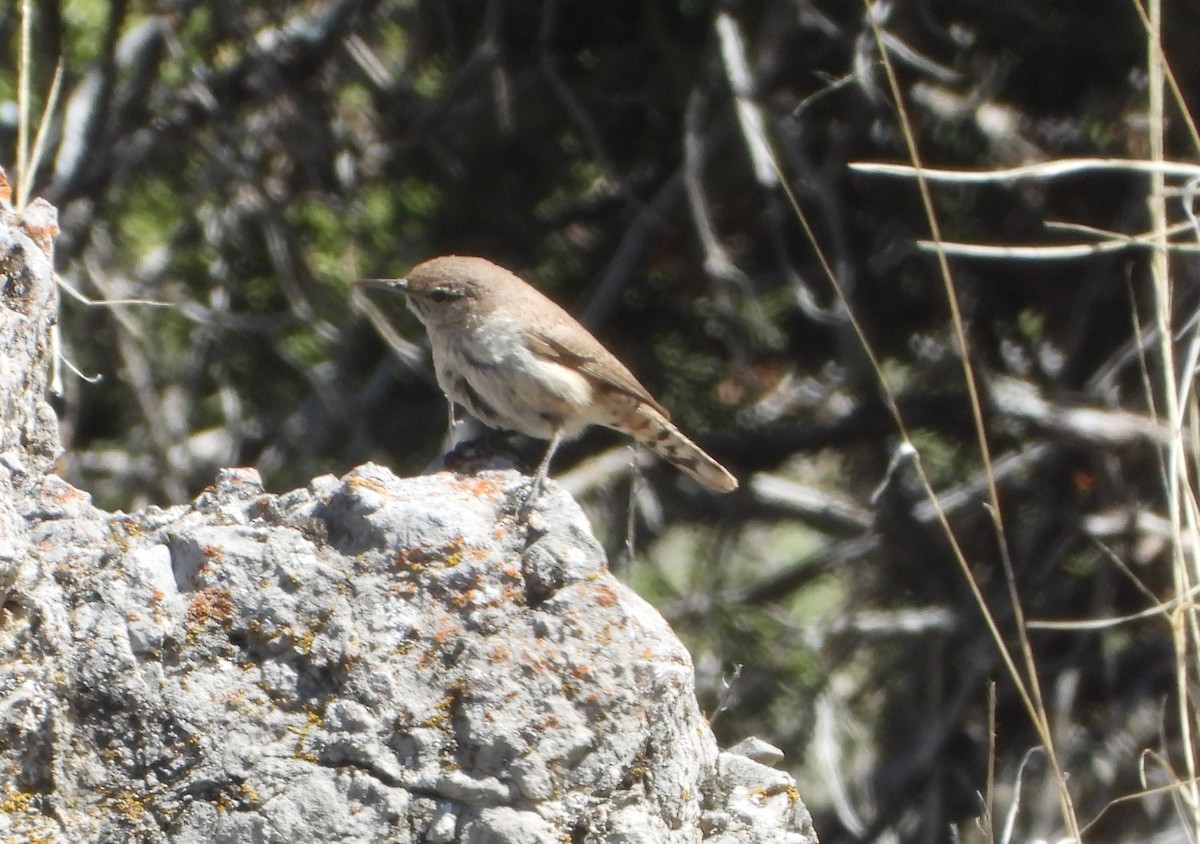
x,y
490,370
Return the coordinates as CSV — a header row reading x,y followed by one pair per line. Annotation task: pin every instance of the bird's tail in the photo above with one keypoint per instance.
x,y
647,425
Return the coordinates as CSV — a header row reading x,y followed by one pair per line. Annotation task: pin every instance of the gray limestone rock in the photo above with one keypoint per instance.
x,y
366,659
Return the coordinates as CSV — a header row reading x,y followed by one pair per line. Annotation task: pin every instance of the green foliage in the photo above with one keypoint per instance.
x,y
1031,324
945,460
145,208
306,347
86,21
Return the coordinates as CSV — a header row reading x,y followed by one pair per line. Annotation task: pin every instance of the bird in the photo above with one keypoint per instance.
x,y
518,362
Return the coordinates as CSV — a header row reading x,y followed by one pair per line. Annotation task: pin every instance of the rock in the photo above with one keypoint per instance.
x,y
758,750
366,659
28,309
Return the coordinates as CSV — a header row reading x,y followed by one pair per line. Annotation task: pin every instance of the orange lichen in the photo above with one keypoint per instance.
x,y
59,491
479,487
446,634
549,721
464,599
605,596
512,594
450,554
366,483
403,590
41,226
127,525
213,604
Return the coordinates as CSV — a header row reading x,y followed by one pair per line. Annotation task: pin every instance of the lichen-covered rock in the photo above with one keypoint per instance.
x,y
28,308
367,659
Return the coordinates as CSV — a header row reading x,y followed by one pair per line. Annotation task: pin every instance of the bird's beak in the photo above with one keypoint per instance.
x,y
393,285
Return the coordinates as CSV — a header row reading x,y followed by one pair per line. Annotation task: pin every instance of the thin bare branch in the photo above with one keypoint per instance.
x,y
1042,170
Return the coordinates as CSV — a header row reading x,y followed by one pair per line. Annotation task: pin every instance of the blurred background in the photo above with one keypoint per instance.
x,y
238,165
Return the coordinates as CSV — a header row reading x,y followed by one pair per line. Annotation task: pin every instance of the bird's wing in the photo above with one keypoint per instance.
x,y
561,344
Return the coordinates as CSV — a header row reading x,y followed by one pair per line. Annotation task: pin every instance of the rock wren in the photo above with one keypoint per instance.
x,y
519,362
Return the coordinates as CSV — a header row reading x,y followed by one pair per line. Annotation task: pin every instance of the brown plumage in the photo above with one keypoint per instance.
x,y
517,361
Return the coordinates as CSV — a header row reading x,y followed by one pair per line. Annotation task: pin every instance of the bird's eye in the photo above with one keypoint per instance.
x,y
442,296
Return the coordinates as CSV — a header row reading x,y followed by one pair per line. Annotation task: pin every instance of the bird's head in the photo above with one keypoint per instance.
x,y
447,290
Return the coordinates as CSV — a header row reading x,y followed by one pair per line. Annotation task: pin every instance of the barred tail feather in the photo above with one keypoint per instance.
x,y
647,425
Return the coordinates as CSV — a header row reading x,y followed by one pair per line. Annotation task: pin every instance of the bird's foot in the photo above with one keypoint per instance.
x,y
529,498
490,449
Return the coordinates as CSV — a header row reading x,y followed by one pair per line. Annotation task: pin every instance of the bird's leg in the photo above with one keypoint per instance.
x,y
452,429
539,479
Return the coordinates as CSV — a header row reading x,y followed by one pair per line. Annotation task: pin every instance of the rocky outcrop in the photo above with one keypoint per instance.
x,y
365,659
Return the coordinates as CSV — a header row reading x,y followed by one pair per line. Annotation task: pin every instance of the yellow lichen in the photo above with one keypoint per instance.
x,y
311,720
130,804
15,801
